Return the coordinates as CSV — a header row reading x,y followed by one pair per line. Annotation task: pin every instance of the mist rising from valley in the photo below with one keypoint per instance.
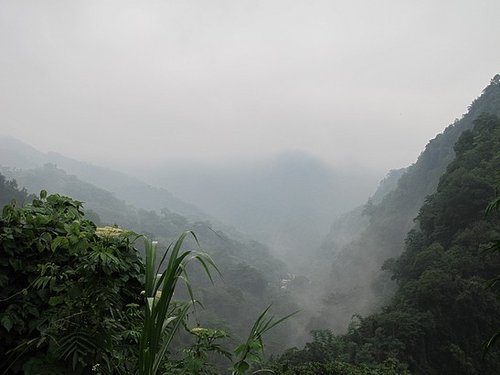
x,y
287,201
329,228
332,158
288,230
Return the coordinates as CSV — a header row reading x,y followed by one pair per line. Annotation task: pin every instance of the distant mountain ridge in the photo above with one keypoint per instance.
x,y
287,201
17,154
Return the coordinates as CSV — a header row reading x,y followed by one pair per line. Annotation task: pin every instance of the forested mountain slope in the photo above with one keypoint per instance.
x,y
442,312
348,227
9,191
356,284
17,154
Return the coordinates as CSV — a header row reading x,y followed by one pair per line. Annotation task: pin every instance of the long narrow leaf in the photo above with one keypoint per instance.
x,y
160,322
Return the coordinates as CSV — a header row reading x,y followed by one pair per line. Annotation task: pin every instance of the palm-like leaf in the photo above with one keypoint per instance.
x,y
163,317
251,350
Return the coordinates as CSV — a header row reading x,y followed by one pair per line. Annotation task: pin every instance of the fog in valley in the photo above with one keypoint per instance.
x,y
297,139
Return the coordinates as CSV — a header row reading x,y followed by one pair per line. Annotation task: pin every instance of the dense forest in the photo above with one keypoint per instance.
x,y
442,311
360,242
408,287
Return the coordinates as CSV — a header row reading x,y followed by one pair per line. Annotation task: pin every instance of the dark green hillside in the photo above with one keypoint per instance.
x,y
388,223
9,191
110,209
442,312
251,276
17,154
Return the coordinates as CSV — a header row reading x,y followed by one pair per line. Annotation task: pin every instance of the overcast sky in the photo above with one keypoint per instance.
x,y
367,82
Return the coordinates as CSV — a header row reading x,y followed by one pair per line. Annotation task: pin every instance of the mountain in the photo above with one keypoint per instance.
x,y
443,310
347,227
9,191
356,283
17,154
287,201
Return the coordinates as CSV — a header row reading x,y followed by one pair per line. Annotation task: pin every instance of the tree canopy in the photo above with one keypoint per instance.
x,y
442,312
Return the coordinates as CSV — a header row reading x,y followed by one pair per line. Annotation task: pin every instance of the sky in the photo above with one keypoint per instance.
x,y
124,82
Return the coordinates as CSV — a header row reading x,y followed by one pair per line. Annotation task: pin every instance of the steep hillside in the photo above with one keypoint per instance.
x,y
347,228
442,312
356,284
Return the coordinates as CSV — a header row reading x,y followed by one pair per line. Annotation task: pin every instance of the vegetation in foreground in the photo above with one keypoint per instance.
x,y
77,299
251,275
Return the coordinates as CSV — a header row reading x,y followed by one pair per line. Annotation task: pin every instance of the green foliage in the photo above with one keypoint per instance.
x,y
72,294
340,368
251,350
495,246
68,291
251,275
196,357
328,354
163,316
